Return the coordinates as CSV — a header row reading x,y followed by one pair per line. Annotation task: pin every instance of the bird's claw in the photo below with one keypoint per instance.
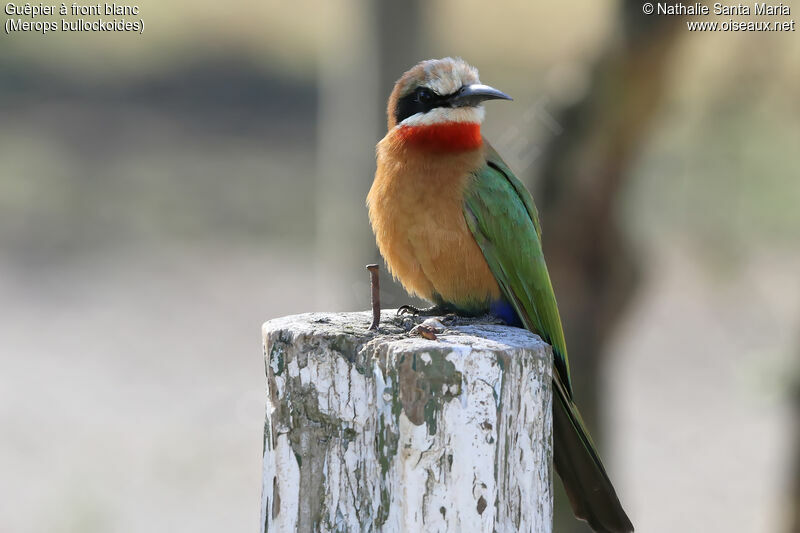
x,y
416,311
408,310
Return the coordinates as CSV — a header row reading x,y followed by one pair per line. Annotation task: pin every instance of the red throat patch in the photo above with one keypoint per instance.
x,y
444,137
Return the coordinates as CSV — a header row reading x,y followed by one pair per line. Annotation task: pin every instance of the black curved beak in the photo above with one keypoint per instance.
x,y
471,95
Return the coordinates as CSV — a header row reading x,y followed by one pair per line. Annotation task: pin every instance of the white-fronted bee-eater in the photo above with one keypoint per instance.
x,y
458,229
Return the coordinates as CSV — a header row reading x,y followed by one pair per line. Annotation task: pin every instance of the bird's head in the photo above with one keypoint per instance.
x,y
439,91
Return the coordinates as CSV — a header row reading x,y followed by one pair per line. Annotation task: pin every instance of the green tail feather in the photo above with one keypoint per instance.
x,y
586,483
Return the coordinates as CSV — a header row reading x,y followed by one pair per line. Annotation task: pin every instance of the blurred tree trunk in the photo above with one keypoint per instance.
x,y
346,132
376,41
402,44
794,498
582,175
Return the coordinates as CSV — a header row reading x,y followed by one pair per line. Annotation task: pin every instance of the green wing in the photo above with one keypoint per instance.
x,y
503,219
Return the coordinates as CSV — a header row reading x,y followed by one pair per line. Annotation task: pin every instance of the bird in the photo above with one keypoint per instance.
x,y
457,228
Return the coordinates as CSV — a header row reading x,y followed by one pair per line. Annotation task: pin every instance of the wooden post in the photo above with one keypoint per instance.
x,y
389,431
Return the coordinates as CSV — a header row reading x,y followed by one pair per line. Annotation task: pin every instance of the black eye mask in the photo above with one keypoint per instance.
x,y
421,100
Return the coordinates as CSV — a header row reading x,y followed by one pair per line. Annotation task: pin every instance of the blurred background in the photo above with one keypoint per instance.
x,y
163,194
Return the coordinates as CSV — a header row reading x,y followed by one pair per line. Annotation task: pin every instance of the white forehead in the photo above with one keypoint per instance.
x,y
447,75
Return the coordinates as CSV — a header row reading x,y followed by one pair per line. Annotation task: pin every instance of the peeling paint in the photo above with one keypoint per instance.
x,y
382,431
426,382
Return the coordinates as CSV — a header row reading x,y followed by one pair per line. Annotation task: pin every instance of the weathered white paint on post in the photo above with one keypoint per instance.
x,y
392,432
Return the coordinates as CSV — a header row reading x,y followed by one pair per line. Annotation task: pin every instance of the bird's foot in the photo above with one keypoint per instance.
x,y
434,310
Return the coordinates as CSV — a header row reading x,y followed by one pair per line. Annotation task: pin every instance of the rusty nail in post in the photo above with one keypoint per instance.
x,y
376,296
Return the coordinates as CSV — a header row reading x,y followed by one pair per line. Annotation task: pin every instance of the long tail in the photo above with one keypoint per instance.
x,y
585,480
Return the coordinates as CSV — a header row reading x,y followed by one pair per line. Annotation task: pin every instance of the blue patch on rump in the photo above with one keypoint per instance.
x,y
505,312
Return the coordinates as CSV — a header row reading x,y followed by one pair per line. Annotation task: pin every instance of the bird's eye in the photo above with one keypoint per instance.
x,y
424,95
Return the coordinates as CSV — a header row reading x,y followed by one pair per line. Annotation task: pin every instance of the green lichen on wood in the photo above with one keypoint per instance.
x,y
310,431
426,382
383,508
348,435
350,347
277,353
267,436
386,442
